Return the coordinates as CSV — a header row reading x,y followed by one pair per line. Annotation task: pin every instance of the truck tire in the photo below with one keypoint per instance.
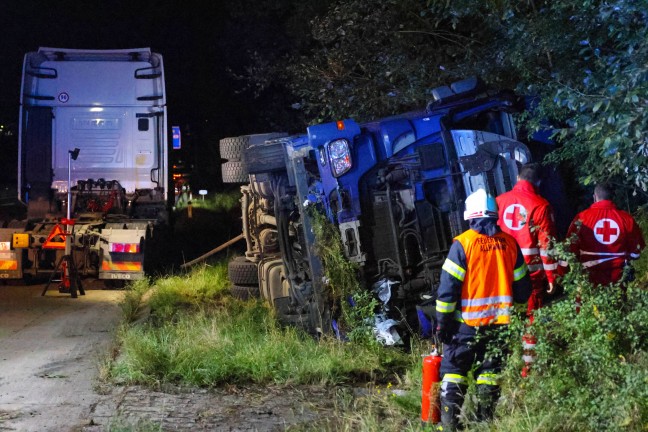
x,y
265,158
245,292
231,149
235,172
242,272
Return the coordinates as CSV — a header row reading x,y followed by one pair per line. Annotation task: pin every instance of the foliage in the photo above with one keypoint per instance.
x,y
641,265
585,62
354,306
224,201
591,367
593,84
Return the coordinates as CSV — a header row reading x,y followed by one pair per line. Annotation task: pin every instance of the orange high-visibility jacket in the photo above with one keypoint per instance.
x,y
481,272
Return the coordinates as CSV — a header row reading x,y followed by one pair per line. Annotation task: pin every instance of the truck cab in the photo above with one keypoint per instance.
x,y
92,148
394,188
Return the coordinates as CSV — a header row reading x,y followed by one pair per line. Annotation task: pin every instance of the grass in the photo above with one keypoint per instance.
x,y
199,335
591,369
218,202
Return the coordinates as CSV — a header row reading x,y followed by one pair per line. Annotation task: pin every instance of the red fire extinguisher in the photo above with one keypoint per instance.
x,y
430,409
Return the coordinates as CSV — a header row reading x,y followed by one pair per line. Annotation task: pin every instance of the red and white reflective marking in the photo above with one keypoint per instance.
x,y
515,217
606,231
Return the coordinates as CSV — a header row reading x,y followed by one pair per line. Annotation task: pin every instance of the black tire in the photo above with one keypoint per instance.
x,y
234,172
242,272
232,148
265,158
245,292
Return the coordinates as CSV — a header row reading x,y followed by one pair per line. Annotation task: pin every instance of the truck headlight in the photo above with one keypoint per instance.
x,y
340,156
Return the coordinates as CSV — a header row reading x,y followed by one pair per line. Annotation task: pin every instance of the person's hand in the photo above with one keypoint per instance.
x,y
444,334
551,288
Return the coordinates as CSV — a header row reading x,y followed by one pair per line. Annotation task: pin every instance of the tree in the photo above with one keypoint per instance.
x,y
585,61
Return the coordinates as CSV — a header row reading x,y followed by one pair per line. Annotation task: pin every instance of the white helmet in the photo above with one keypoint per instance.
x,y
479,204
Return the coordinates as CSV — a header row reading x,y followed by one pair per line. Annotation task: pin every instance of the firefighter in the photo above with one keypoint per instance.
x,y
481,279
604,238
529,218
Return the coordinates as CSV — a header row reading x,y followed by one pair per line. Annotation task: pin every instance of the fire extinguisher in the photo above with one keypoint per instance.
x,y
430,407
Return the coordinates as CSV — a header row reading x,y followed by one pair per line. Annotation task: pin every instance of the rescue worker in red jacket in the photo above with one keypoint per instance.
x,y
528,217
605,238
482,277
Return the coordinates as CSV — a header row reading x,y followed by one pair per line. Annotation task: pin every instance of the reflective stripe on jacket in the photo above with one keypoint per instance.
x,y
485,275
604,237
528,217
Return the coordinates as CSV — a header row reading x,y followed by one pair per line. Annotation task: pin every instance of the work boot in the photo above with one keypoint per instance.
x,y
449,416
487,396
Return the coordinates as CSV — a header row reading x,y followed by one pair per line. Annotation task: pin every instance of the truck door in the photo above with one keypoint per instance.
x,y
487,160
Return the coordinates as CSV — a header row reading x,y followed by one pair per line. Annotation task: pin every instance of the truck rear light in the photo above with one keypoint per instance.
x,y
340,155
5,246
125,247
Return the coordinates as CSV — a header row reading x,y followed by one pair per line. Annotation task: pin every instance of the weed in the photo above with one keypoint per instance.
x,y
200,335
220,202
353,305
124,425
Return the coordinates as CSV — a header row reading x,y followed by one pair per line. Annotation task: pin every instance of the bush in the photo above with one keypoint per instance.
x,y
591,369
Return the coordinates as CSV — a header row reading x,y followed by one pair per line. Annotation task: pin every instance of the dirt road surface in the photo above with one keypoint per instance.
x,y
50,351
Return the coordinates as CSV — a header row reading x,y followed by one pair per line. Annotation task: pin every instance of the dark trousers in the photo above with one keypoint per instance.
x,y
470,346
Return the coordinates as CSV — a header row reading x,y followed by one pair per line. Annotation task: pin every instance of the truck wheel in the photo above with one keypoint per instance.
x,y
242,272
265,158
234,172
245,292
232,148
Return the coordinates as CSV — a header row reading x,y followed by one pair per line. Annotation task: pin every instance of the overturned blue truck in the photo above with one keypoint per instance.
x,y
394,187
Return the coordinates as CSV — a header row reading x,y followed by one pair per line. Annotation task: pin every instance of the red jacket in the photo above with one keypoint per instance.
x,y
529,219
604,240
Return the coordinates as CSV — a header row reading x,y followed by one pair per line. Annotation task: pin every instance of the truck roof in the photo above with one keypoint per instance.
x,y
90,55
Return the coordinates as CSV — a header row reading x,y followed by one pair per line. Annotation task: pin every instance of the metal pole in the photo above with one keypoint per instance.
x,y
68,228
69,185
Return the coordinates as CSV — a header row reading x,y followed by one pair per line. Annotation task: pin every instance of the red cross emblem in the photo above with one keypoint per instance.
x,y
606,231
515,217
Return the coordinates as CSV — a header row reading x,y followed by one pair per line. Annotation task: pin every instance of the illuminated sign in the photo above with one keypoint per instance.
x,y
175,135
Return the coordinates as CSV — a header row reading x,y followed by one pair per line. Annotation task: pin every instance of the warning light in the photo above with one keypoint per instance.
x,y
340,124
125,247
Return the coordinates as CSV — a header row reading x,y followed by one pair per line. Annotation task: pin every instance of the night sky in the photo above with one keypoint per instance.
x,y
199,40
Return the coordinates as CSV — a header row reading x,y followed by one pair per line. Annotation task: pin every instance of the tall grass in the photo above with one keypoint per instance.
x,y
200,335
591,371
354,306
219,202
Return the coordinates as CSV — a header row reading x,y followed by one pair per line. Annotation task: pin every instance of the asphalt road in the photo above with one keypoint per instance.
x,y
51,349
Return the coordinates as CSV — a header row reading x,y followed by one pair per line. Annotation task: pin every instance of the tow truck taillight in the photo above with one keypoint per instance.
x,y
125,247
